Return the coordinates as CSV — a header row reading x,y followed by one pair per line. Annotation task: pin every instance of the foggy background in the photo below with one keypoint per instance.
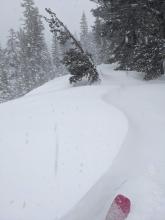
x,y
70,11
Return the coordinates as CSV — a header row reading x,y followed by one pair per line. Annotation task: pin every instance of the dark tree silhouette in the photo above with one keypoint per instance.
x,y
79,63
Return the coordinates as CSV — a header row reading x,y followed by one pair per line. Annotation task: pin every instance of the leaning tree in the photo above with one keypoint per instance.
x,y
78,62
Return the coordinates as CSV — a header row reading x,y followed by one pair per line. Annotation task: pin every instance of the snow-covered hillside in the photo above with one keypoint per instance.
x,y
66,152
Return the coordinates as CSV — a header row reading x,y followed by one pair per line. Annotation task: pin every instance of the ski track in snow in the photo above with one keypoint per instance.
x,y
144,143
134,166
138,169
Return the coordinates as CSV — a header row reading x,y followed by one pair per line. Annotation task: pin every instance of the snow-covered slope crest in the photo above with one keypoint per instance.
x,y
55,144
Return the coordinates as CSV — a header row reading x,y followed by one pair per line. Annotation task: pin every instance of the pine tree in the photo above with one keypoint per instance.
x,y
97,32
4,89
79,66
127,16
79,63
57,57
84,37
150,51
56,52
87,39
105,30
100,43
136,32
13,64
37,59
23,68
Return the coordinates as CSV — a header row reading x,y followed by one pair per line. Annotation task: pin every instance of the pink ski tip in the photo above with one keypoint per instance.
x,y
123,203
119,209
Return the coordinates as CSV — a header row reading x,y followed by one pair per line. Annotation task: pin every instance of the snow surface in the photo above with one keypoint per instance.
x,y
66,152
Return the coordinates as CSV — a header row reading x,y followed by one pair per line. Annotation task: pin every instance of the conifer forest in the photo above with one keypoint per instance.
x,y
129,33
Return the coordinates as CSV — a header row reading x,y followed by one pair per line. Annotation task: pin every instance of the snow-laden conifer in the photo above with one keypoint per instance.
x,y
77,61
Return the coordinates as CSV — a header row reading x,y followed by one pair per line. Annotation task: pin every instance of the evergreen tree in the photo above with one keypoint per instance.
x,y
150,50
23,69
105,30
88,40
136,33
101,47
97,32
79,66
84,37
56,54
37,58
79,63
57,57
4,89
13,64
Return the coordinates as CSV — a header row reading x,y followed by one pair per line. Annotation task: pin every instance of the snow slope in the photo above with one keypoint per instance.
x,y
55,143
138,169
64,148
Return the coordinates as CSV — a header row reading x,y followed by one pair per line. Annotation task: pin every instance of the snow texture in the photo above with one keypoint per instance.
x,y
66,152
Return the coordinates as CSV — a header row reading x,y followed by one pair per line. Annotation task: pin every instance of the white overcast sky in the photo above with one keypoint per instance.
x,y
69,11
